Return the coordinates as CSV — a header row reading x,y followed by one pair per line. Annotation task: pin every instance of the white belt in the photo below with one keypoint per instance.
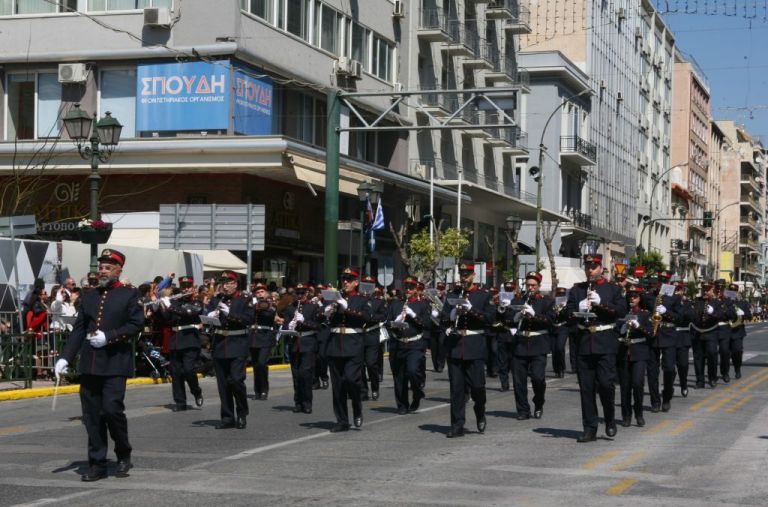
x,y
230,332
687,328
727,323
347,330
534,333
667,324
375,326
262,328
465,332
187,326
634,341
595,329
409,339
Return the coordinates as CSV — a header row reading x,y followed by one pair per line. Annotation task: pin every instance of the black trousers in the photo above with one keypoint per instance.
x,y
504,358
681,358
572,346
260,363
346,379
491,362
724,349
230,380
664,359
596,377
632,386
737,353
380,364
705,351
407,370
437,349
321,364
462,374
371,365
102,402
559,338
522,368
183,370
302,372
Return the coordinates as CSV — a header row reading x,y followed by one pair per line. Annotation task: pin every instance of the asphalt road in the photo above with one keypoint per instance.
x,y
710,449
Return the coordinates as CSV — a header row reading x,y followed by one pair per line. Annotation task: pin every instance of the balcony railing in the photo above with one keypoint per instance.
x,y
434,25
450,171
577,145
748,219
501,9
579,219
502,65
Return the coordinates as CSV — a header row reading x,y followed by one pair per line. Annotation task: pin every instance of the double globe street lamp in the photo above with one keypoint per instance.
x,y
103,140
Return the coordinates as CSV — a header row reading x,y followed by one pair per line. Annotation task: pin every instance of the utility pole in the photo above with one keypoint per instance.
x,y
331,247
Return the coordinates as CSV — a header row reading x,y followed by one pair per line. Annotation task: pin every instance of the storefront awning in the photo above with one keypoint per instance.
x,y
313,172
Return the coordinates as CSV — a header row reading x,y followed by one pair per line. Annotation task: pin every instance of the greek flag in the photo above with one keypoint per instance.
x,y
377,223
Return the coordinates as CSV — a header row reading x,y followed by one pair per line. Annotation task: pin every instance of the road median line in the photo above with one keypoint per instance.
x,y
620,487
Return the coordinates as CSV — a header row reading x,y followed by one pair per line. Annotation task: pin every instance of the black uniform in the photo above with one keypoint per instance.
x,y
372,346
302,349
738,333
184,319
116,312
705,333
529,355
663,350
597,345
321,359
684,343
466,352
230,354
437,346
502,328
407,350
559,337
345,355
261,339
634,353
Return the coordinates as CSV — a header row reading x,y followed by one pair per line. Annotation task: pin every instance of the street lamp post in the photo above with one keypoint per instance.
x,y
103,140
366,191
513,229
538,174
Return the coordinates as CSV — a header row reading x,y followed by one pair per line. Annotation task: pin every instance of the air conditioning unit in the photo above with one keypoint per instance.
x,y
356,71
398,11
72,73
157,16
622,14
619,96
638,32
343,66
398,87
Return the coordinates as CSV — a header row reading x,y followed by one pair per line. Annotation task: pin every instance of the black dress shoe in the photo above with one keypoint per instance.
x,y
699,385
712,384
438,370
263,396
538,413
737,374
338,427
357,420
241,422
364,397
316,386
655,408
610,428
324,384
626,421
179,408
402,411
726,378
523,417
123,466
94,474
307,410
665,406
416,402
297,409
504,386
199,399
640,421
225,425
587,436
684,392
375,395
481,425
455,433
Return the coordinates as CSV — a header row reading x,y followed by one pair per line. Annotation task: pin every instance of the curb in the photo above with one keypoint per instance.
x,y
40,392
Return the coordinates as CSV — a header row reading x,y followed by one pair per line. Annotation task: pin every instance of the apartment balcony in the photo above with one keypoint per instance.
x,y
438,105
749,182
579,220
749,242
749,201
503,69
520,23
462,40
509,139
481,58
695,228
577,150
749,221
433,26
501,9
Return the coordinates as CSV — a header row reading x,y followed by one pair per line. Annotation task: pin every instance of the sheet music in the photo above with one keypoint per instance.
x,y
367,287
210,321
331,295
667,289
730,294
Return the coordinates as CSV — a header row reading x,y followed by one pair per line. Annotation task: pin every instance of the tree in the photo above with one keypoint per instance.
x,y
651,260
420,255
548,233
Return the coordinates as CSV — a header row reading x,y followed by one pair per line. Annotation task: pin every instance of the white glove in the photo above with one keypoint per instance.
x,y
166,301
214,313
224,308
466,305
298,317
98,339
504,303
528,310
594,297
518,316
61,367
435,314
624,328
661,309
583,305
633,324
513,331
453,314
343,303
400,318
254,300
739,312
710,310
328,311
410,312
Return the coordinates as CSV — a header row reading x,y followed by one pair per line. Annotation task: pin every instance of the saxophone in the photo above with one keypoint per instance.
x,y
656,317
294,321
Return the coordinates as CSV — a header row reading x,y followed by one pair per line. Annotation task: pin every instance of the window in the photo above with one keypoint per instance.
x,y
48,105
359,44
126,5
329,30
11,7
260,8
118,96
21,107
382,58
297,16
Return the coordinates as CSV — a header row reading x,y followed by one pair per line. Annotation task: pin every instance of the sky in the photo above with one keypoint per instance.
x,y
730,45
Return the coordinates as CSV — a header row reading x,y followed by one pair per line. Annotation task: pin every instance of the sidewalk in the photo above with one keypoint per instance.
x,y
41,388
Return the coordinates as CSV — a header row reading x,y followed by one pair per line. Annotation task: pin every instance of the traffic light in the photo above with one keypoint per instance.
x,y
707,219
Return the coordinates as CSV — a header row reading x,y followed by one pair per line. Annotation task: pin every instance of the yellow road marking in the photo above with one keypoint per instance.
x,y
739,404
723,401
681,428
659,427
621,487
753,384
11,430
710,398
600,460
634,458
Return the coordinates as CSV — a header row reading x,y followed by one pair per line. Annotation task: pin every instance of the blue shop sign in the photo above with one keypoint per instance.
x,y
252,94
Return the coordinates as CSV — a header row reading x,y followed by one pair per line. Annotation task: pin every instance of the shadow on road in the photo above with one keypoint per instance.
x,y
435,428
320,425
558,433
385,410
206,422
439,400
80,467
283,408
502,413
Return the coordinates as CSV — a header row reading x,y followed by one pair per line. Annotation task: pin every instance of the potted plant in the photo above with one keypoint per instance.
x,y
94,231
